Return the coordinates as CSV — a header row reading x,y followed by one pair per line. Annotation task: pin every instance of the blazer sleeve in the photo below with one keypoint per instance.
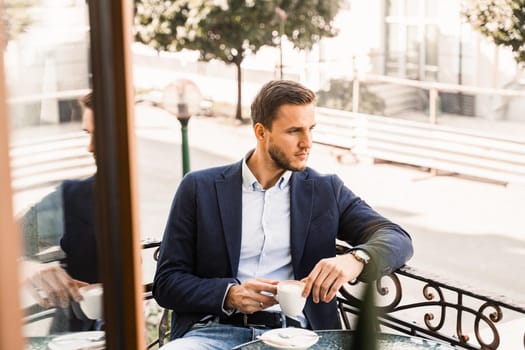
x,y
43,224
388,245
176,284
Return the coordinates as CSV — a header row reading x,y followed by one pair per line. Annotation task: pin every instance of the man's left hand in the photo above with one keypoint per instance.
x,y
329,275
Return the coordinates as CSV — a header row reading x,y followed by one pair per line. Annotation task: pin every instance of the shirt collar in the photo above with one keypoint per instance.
x,y
249,181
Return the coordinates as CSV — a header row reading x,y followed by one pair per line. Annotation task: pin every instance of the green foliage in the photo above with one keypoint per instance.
x,y
156,23
17,16
503,21
229,29
228,34
339,96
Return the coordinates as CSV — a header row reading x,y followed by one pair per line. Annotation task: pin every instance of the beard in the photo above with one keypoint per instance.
x,y
281,160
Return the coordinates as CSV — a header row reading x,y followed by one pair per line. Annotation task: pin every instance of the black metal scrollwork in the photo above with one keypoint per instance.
x,y
494,317
384,291
441,302
435,294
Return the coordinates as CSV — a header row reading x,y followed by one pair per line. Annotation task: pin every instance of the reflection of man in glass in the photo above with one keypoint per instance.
x,y
64,217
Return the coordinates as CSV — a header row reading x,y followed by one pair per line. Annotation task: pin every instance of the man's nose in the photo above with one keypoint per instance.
x,y
91,145
306,140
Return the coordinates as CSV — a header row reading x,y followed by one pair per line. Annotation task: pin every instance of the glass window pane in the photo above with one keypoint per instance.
x,y
431,40
394,7
413,8
53,168
412,52
431,9
394,49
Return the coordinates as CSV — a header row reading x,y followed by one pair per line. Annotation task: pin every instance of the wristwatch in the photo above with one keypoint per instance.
x,y
361,256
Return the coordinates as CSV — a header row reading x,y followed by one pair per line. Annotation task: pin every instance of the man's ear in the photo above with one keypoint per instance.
x,y
260,130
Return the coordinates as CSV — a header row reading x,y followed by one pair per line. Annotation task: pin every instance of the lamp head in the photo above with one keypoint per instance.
x,y
182,98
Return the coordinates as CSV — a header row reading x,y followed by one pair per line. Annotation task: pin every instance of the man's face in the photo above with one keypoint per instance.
x,y
88,126
290,140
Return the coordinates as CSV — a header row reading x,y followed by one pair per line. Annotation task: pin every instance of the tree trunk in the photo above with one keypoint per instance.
x,y
238,114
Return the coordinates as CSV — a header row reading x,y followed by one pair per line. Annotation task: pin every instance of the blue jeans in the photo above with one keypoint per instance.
x,y
214,336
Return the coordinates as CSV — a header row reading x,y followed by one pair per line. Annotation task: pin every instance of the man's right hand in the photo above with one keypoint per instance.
x,y
49,284
249,298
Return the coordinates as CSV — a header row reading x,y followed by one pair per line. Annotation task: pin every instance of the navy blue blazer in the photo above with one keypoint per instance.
x,y
79,241
70,212
199,253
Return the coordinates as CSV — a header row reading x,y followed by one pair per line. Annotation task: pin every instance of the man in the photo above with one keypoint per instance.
x,y
64,216
235,231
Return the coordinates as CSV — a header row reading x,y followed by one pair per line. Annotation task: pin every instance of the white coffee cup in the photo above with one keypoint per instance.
x,y
289,296
91,304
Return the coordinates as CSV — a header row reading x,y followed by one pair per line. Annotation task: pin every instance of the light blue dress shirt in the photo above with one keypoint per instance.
x,y
265,245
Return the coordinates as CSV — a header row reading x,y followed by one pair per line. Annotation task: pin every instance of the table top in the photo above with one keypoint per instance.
x,y
342,340
93,340
38,343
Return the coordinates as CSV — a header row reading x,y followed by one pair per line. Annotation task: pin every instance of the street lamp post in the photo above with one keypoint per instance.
x,y
184,118
182,98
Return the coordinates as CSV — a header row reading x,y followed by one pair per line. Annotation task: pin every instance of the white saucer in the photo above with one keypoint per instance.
x,y
76,340
289,338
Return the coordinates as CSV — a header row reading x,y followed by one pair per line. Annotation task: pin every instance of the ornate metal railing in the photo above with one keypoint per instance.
x,y
410,303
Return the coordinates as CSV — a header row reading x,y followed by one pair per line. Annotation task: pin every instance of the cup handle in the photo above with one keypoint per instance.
x,y
276,297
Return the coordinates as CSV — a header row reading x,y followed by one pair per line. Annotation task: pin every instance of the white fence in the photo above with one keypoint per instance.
x,y
427,145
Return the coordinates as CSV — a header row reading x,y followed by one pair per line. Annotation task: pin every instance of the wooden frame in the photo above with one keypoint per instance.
x,y
116,212
10,330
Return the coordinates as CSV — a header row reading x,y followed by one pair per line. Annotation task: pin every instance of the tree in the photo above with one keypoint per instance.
x,y
227,30
503,21
17,17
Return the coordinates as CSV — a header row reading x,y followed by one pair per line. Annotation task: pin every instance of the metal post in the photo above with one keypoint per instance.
x,y
432,108
182,99
281,29
282,17
355,87
185,146
355,95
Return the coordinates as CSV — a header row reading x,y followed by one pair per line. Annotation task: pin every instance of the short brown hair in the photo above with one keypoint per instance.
x,y
87,101
273,95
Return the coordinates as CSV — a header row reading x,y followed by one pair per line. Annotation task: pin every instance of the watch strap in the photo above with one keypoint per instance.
x,y
361,256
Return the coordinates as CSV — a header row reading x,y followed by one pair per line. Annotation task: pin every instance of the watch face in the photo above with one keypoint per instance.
x,y
361,256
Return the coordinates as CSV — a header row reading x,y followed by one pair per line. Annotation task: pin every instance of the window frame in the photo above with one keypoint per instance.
x,y
10,332
116,208
397,63
116,192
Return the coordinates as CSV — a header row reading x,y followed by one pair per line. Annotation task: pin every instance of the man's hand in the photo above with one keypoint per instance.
x,y
252,296
329,275
49,284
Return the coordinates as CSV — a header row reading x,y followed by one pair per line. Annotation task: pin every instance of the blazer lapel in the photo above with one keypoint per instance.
x,y
301,204
229,195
